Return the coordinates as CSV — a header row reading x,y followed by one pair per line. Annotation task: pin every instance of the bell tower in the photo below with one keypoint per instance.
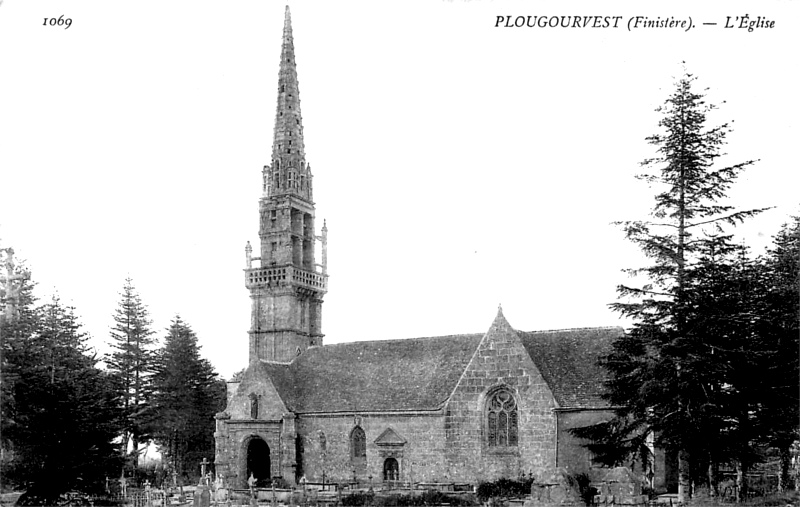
x,y
286,288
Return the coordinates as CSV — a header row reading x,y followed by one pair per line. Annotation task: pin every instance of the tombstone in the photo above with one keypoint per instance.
x,y
621,487
554,488
202,496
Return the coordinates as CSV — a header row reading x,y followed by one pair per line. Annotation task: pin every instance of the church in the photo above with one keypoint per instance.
x,y
461,408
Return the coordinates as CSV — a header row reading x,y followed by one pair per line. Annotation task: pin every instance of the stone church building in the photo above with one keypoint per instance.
x,y
461,408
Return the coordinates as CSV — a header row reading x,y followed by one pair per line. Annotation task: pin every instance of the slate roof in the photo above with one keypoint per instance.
x,y
389,375
567,359
421,373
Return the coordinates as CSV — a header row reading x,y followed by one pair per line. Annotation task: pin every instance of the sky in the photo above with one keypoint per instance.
x,y
459,165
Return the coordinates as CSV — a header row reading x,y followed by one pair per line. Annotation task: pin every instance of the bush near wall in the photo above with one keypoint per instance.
x,y
504,488
429,497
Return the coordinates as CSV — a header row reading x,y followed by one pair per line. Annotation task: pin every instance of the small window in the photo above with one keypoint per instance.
x,y
274,246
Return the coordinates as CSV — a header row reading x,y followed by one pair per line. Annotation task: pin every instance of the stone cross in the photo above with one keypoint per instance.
x,y
203,465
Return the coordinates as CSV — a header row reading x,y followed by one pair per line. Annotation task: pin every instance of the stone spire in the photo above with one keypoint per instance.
x,y
289,173
286,290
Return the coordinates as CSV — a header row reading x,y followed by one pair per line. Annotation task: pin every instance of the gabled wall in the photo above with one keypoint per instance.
x,y
236,428
500,360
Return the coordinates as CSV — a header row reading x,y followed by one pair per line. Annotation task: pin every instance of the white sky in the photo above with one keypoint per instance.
x,y
458,165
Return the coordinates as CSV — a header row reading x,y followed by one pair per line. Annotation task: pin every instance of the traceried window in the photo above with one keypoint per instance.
x,y
501,420
358,444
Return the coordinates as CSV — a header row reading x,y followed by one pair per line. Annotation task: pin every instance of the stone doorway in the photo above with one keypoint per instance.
x,y
391,470
258,462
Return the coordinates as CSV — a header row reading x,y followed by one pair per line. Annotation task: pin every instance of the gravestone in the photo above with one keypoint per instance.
x,y
553,488
202,494
621,487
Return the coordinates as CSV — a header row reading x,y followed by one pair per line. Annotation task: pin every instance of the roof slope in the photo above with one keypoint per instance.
x,y
567,359
421,373
390,375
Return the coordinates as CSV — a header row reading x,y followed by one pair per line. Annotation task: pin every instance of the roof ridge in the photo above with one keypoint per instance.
x,y
570,329
401,339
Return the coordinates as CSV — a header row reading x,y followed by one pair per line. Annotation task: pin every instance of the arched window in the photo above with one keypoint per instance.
x,y
501,420
358,444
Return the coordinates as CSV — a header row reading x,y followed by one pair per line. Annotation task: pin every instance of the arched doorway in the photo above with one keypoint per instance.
x,y
391,470
258,463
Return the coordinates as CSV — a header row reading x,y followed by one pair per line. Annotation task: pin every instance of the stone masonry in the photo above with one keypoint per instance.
x,y
500,360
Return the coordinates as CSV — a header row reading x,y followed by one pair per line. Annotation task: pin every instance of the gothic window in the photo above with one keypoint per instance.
x,y
501,420
358,444
323,442
391,470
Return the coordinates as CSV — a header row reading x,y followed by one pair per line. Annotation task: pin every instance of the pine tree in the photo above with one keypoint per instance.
x,y
65,410
780,332
186,398
14,334
131,365
659,371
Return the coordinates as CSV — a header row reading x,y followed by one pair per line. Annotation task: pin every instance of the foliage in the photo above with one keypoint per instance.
x,y
584,487
130,365
664,375
428,497
504,488
61,415
187,395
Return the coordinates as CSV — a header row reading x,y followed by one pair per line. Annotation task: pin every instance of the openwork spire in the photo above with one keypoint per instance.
x,y
288,173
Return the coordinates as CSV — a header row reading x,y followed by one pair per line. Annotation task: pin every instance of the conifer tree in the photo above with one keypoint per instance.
x,y
659,371
131,365
780,333
187,395
65,411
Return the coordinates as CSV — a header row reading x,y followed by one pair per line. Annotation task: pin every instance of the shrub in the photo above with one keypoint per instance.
x,y
504,488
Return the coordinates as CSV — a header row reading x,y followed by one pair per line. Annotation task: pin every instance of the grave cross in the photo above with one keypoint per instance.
x,y
203,465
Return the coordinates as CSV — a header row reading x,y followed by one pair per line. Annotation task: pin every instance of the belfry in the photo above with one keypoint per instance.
x,y
286,289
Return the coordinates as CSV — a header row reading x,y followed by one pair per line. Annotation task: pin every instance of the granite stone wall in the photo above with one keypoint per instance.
x,y
235,428
500,361
326,447
572,455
